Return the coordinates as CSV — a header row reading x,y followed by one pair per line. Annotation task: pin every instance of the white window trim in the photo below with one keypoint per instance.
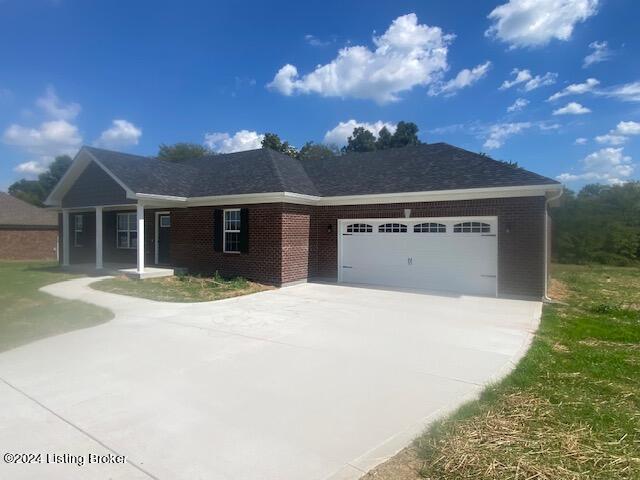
x,y
225,230
128,230
76,230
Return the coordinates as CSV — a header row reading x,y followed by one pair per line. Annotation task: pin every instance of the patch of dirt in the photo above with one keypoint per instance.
x,y
559,347
405,465
558,290
610,344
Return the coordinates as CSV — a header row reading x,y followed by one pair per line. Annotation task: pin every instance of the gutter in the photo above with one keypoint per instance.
x,y
546,298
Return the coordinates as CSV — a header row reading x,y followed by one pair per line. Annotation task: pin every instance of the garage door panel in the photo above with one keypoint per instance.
x,y
463,261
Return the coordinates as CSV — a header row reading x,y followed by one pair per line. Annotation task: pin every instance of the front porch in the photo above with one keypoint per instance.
x,y
117,240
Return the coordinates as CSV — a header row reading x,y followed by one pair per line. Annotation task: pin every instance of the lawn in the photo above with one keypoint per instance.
x,y
29,315
570,409
184,288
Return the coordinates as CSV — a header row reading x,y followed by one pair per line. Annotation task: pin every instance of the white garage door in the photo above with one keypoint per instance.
x,y
440,254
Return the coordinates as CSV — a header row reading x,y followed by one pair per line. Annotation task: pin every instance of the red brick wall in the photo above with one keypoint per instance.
x,y
520,251
296,235
192,243
28,244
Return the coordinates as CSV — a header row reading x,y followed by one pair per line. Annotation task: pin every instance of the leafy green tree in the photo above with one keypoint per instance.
x,y
36,191
181,151
384,140
601,224
49,179
272,141
317,151
361,140
406,134
28,190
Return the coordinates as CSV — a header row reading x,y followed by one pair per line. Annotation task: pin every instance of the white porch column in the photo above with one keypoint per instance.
x,y
98,237
65,237
140,212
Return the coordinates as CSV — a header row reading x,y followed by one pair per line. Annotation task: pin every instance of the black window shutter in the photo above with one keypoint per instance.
x,y
217,229
244,230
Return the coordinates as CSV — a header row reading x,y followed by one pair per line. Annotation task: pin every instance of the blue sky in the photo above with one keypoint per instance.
x,y
554,86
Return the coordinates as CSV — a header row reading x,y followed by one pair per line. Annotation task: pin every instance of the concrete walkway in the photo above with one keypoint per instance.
x,y
306,382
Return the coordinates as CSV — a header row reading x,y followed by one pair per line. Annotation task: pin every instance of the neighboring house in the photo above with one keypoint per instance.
x,y
432,217
26,232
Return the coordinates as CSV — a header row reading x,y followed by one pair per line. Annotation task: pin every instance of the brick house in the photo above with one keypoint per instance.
x,y
433,217
26,232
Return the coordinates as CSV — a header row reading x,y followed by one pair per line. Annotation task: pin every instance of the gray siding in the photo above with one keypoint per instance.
x,y
94,187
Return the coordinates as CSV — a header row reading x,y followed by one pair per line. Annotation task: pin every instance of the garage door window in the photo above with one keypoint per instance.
x,y
392,228
430,228
472,227
359,228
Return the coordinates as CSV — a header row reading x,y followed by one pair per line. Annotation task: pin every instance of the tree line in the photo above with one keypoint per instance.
x,y
600,224
361,140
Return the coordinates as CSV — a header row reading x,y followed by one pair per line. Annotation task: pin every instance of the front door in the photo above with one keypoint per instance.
x,y
164,238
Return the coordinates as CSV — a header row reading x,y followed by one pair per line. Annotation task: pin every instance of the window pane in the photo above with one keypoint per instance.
x,y
232,242
232,220
133,220
122,222
123,240
133,240
165,221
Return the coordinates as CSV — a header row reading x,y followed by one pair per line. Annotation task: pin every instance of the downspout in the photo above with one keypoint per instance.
x,y
546,244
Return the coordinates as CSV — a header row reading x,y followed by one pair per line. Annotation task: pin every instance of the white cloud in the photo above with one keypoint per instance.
x,y
530,23
628,128
338,135
315,41
222,142
581,141
620,134
575,89
51,138
465,78
528,81
121,134
572,108
31,168
629,92
407,55
56,137
52,106
499,133
608,165
601,53
518,105
611,139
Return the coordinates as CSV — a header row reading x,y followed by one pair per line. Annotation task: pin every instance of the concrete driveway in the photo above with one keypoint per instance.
x,y
306,382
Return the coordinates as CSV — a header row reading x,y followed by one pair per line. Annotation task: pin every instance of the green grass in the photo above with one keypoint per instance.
x,y
180,288
570,409
27,314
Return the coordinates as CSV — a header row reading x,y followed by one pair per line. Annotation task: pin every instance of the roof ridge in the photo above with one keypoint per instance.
x,y
270,153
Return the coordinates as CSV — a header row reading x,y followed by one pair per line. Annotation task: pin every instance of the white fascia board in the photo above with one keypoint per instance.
x,y
404,197
442,195
253,198
165,198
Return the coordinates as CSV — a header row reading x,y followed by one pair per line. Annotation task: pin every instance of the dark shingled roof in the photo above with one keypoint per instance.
x,y
146,174
420,168
15,212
